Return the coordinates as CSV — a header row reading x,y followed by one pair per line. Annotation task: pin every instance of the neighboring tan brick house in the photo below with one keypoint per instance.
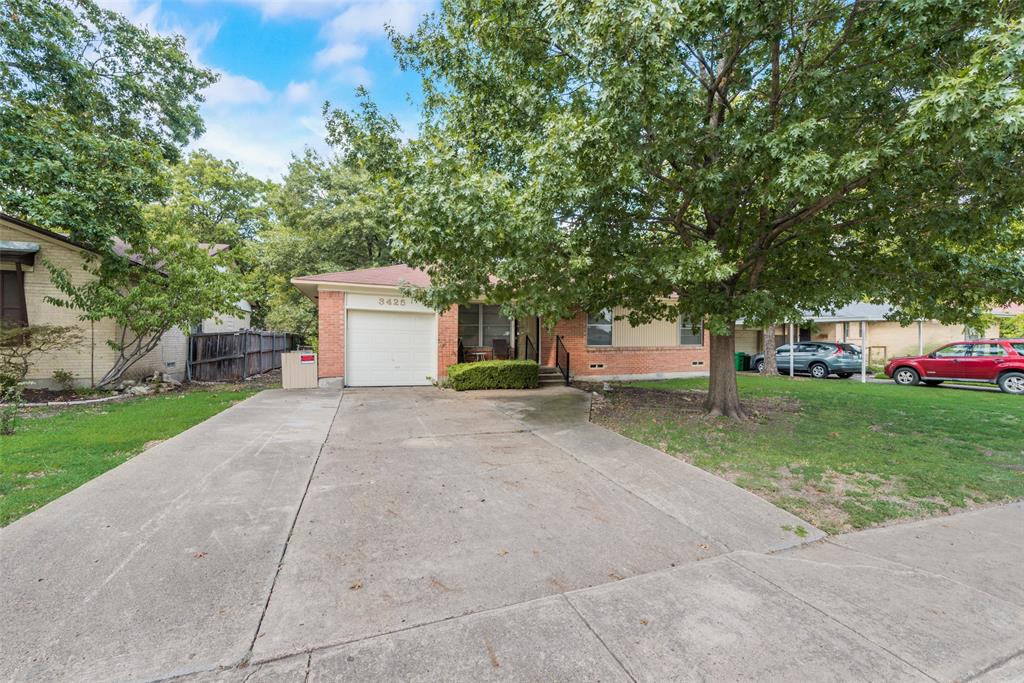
x,y
866,324
371,335
24,249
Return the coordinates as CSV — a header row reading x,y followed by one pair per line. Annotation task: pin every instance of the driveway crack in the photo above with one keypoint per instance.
x,y
599,638
291,530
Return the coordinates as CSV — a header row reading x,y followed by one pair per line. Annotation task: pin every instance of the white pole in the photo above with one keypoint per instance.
x,y
792,343
864,353
920,338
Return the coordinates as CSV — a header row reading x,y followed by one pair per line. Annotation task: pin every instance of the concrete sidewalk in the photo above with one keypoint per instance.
x,y
839,610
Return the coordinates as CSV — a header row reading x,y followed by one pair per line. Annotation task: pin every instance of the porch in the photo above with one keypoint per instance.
x,y
485,333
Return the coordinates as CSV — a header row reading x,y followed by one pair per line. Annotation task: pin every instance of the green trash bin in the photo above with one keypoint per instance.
x,y
742,361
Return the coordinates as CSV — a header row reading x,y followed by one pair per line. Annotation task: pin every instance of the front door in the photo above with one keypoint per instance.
x,y
947,362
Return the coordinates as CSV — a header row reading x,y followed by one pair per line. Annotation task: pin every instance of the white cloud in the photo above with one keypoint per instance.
x,y
296,93
370,18
151,16
262,142
234,89
355,74
271,9
339,53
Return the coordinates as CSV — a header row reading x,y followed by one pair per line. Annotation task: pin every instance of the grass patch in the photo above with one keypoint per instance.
x,y
840,454
52,454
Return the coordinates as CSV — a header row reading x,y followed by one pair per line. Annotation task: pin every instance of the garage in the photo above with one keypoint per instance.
x,y
388,348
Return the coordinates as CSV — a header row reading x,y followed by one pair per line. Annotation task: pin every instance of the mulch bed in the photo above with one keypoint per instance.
x,y
48,395
625,400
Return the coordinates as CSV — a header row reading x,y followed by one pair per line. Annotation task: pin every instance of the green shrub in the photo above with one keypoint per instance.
x,y
64,379
493,374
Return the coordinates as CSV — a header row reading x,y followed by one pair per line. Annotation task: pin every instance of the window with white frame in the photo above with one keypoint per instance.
x,y
691,334
599,328
480,325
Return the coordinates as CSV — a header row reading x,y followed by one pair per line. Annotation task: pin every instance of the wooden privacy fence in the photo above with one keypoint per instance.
x,y
219,356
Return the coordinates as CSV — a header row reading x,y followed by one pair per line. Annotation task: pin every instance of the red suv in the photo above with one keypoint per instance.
x,y
999,361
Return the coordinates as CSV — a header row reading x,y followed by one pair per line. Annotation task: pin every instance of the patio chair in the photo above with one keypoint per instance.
x,y
501,349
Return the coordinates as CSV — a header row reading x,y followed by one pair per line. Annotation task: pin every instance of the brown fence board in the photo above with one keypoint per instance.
x,y
221,356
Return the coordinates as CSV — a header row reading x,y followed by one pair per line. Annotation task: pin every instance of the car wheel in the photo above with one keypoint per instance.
x,y
933,382
819,371
1012,383
845,375
759,366
906,376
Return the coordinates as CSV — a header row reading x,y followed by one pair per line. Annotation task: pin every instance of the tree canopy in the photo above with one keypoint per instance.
x,y
93,112
712,160
328,216
92,108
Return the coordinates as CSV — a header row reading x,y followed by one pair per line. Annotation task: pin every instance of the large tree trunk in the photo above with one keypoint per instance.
x,y
723,395
771,366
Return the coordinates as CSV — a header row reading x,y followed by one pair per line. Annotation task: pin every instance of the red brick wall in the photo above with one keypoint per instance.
x,y
618,360
331,337
447,340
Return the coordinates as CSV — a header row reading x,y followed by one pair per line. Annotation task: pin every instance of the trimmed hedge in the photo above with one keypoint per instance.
x,y
494,374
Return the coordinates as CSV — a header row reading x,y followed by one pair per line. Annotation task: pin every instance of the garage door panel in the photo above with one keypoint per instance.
x,y
390,349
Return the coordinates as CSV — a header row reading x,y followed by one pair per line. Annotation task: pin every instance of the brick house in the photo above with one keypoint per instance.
x,y
372,335
25,284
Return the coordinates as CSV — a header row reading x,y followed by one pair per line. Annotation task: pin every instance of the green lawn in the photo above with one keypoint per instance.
x,y
51,455
841,454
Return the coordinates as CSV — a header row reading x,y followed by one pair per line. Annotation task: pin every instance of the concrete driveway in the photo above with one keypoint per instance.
x,y
417,534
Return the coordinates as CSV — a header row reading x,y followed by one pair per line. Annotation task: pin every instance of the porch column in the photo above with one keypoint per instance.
x,y
792,352
864,353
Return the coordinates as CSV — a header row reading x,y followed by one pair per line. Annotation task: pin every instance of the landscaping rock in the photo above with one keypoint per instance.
x,y
139,390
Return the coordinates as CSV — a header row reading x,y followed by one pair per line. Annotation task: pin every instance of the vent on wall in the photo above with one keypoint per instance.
x,y
171,364
697,362
597,366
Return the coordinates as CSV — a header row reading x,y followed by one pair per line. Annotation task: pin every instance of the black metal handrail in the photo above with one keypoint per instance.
x,y
562,358
530,351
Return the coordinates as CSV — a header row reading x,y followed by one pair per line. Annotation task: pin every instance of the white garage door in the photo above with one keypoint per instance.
x,y
746,341
390,349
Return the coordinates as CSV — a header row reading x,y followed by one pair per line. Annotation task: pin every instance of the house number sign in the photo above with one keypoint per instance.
x,y
385,301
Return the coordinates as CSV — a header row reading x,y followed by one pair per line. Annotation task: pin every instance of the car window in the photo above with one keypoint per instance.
x,y
1019,346
807,348
954,351
782,349
849,348
988,350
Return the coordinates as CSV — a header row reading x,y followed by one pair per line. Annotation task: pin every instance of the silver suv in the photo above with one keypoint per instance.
x,y
817,359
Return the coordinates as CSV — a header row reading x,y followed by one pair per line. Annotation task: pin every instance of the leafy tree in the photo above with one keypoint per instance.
x,y
219,203
149,292
329,217
19,344
91,109
1012,327
754,157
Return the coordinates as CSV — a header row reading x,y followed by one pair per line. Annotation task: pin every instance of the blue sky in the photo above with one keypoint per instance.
x,y
278,60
